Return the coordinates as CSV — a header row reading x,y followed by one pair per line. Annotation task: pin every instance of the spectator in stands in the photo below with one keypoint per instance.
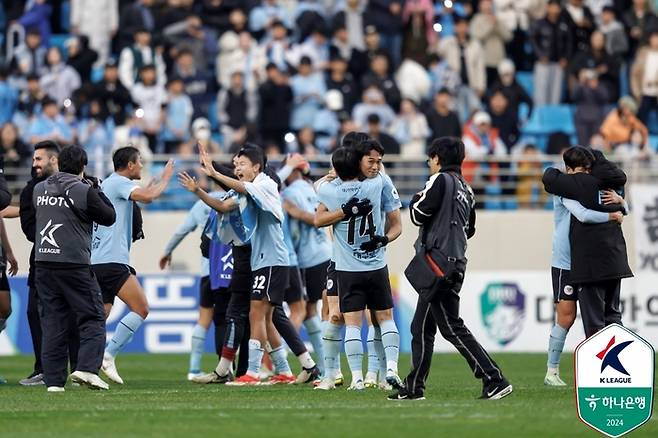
x,y
242,54
374,130
386,16
177,115
380,77
237,109
304,143
514,15
98,20
443,121
315,47
150,96
338,78
59,80
29,101
616,38
644,78
340,44
597,58
637,149
590,98
199,84
8,98
216,13
640,22
509,86
13,151
621,123
418,31
132,133
504,119
580,20
94,134
201,135
276,98
190,35
81,57
174,12
373,102
49,125
326,123
261,17
37,15
113,96
442,76
276,47
308,89
360,60
136,56
529,187
481,139
552,44
350,18
137,16
492,35
466,57
309,15
410,129
30,56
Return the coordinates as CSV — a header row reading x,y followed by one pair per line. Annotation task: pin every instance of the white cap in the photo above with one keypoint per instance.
x,y
506,66
481,117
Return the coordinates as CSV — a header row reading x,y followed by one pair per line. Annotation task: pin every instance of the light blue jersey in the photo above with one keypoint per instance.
x,y
312,245
287,238
563,209
112,244
197,217
350,234
390,196
267,243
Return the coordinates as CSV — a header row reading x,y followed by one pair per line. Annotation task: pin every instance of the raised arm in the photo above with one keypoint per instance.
x,y
208,169
191,184
153,191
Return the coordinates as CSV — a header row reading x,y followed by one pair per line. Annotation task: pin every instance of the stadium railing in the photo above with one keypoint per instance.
x,y
499,183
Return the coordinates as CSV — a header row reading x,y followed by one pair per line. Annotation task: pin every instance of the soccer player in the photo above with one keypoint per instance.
x,y
565,293
269,257
197,217
353,207
313,248
6,257
110,251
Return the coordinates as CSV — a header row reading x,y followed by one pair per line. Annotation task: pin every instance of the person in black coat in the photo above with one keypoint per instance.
x,y
276,104
81,57
598,251
441,118
114,97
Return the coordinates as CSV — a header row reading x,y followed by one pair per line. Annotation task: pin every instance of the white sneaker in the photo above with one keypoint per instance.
x,y
357,386
89,379
109,368
191,376
56,389
553,379
326,385
34,380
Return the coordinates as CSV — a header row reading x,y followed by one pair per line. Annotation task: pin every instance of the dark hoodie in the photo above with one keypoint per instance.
x,y
598,251
84,60
66,209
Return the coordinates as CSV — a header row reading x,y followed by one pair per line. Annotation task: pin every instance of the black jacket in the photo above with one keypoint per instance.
x,y
551,40
598,251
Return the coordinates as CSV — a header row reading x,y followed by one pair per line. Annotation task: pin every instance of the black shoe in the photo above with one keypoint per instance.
x,y
308,375
496,390
402,394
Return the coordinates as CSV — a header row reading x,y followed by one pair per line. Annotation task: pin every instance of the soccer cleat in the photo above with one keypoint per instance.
x,y
308,375
496,390
384,386
394,380
33,379
90,380
213,378
357,386
109,368
402,394
280,379
553,379
339,381
370,380
192,375
55,389
245,380
326,385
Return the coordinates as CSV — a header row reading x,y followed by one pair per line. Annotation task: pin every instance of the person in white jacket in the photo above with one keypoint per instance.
x,y
141,53
99,21
410,129
58,80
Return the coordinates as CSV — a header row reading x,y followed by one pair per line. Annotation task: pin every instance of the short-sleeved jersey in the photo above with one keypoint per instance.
x,y
287,239
390,197
112,244
351,233
312,245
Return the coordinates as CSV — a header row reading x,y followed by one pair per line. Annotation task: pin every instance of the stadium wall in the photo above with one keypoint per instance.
x,y
506,299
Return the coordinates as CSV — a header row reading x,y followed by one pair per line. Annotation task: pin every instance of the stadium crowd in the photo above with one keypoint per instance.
x,y
295,75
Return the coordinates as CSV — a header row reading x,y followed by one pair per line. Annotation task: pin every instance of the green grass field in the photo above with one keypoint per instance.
x,y
157,401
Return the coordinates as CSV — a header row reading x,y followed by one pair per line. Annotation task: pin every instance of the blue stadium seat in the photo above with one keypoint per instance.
x,y
97,74
58,40
212,116
653,142
550,118
527,81
652,123
65,15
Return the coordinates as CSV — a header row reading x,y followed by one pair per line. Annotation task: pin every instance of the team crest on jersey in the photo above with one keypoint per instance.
x,y
568,290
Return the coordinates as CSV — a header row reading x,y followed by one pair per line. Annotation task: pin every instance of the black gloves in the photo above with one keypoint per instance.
x,y
354,207
374,243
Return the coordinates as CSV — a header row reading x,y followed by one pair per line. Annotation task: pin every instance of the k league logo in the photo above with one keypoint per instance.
x,y
614,380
